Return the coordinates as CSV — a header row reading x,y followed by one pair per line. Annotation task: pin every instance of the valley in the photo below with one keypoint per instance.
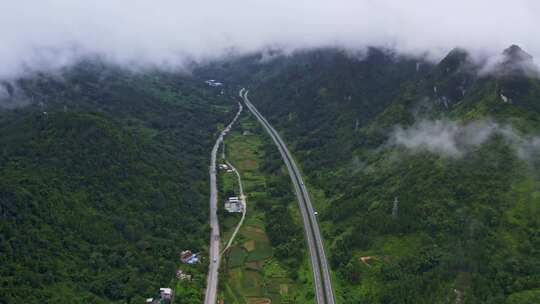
x,y
422,178
270,152
253,272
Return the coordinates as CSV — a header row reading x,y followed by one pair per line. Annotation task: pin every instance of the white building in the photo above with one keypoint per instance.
x,y
234,207
165,293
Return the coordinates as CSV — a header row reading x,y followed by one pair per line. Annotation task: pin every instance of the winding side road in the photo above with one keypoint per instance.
x,y
321,270
214,261
243,200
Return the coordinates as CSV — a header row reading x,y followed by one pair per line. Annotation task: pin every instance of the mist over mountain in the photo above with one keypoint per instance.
x,y
428,170
172,35
415,125
453,139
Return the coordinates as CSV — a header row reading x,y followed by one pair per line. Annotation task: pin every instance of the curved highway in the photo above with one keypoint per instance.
x,y
321,270
214,261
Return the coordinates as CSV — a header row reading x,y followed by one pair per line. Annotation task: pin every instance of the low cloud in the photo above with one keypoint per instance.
x,y
4,94
171,34
455,139
11,96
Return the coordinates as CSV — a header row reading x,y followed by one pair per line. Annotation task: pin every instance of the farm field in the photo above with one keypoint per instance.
x,y
251,274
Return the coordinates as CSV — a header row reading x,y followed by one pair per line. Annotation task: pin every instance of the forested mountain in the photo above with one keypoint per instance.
x,y
429,170
425,174
103,180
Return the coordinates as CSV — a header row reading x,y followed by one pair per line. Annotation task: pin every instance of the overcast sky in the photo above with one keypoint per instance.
x,y
46,34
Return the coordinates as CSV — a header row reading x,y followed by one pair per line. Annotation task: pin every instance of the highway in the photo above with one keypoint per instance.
x,y
324,293
214,255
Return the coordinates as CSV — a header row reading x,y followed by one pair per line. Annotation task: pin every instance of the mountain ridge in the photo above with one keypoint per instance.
x,y
459,228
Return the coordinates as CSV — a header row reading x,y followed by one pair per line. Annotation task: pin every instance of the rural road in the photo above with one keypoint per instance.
x,y
321,270
214,259
243,200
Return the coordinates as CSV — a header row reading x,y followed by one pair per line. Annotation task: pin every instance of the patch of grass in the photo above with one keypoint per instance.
x,y
237,256
249,164
254,219
230,296
244,151
262,251
249,245
274,269
256,265
228,183
233,292
252,282
394,245
254,233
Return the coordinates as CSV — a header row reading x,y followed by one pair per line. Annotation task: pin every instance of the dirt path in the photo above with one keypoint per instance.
x,y
244,209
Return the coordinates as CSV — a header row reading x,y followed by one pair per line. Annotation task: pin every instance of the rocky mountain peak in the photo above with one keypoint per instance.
x,y
515,53
516,62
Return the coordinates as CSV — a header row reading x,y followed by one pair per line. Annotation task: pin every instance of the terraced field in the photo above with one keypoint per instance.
x,y
250,274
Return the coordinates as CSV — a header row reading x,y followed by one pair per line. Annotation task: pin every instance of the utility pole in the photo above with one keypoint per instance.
x,y
395,208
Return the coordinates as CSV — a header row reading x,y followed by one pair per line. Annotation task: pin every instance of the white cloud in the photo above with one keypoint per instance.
x,y
455,139
47,34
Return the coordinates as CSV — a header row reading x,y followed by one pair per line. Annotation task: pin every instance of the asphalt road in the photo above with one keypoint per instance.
x,y
214,255
321,270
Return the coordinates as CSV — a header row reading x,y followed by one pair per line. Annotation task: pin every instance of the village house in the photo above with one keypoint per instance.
x,y
166,294
234,205
189,257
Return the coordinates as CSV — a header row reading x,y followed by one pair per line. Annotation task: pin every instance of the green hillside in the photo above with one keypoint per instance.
x,y
465,226
424,176
103,180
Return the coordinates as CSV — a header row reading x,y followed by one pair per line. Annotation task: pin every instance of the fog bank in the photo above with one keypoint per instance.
x,y
50,34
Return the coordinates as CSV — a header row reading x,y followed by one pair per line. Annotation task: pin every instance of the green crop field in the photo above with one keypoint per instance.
x,y
262,251
252,272
237,257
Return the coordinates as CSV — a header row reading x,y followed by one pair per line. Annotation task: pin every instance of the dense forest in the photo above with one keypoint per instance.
x,y
429,170
103,181
285,232
425,175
